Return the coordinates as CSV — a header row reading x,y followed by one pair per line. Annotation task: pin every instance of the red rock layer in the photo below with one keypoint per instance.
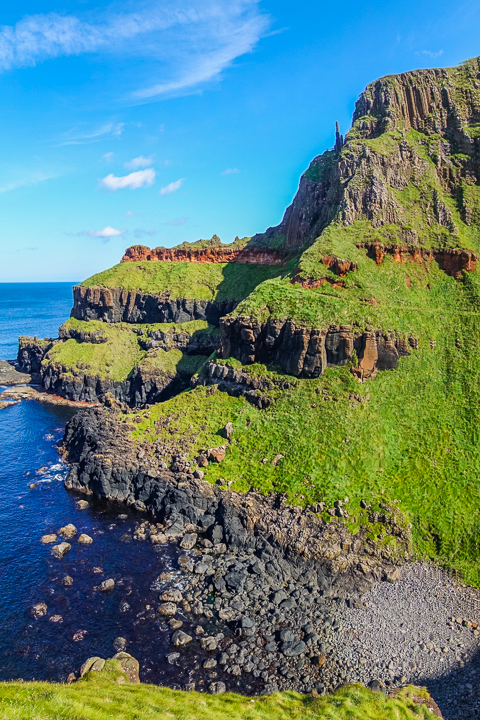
x,y
453,262
248,255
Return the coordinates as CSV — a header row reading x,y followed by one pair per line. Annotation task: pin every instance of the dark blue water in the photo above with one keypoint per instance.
x,y
29,433
31,309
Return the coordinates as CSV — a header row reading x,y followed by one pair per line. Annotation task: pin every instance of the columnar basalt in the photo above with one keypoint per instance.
x,y
414,130
307,352
115,305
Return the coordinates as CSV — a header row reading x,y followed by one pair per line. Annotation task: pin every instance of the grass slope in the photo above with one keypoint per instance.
x,y
413,434
121,350
102,698
202,281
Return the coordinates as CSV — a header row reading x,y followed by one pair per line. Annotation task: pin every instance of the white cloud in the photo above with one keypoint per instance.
x,y
178,221
231,171
139,162
130,213
171,187
25,179
135,180
75,136
108,157
429,53
107,232
189,44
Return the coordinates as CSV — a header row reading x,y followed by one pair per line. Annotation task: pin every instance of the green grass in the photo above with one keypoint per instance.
x,y
100,697
124,349
393,296
114,359
202,281
414,437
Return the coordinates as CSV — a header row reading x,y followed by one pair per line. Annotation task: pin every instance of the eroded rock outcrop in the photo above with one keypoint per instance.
x,y
452,262
417,130
307,352
31,352
114,305
250,255
144,386
238,382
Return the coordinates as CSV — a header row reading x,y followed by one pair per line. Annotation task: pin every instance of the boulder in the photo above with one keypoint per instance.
x,y
216,454
130,666
84,539
171,596
93,663
119,644
47,539
167,609
82,505
188,541
67,532
67,581
107,585
38,610
158,539
59,551
292,649
217,688
228,430
179,638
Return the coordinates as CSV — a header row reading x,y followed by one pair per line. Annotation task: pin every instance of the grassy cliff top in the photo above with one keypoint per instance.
x,y
122,349
201,281
99,696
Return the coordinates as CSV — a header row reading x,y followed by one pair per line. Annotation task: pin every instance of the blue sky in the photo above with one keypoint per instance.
x,y
155,122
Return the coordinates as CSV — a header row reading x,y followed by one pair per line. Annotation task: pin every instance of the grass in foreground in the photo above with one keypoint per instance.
x,y
102,698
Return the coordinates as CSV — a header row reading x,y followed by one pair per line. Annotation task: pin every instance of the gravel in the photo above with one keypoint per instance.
x,y
417,630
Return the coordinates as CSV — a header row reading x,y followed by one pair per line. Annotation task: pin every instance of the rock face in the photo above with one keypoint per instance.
x,y
306,352
250,255
117,305
237,382
143,387
363,178
452,262
31,352
105,462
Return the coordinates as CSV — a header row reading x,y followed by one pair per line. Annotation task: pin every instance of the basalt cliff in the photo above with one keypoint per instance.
x,y
331,359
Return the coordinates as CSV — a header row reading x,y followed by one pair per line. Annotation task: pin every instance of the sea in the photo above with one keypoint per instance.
x,y
80,621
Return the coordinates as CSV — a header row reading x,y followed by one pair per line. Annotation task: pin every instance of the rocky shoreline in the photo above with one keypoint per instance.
x,y
267,597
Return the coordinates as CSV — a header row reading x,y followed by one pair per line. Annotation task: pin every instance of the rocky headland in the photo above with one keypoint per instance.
x,y
297,411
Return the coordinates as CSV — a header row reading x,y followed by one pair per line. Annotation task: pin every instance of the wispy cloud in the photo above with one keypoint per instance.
x,y
141,232
76,136
139,162
189,45
171,187
25,179
134,180
108,157
430,53
106,234
177,221
231,171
